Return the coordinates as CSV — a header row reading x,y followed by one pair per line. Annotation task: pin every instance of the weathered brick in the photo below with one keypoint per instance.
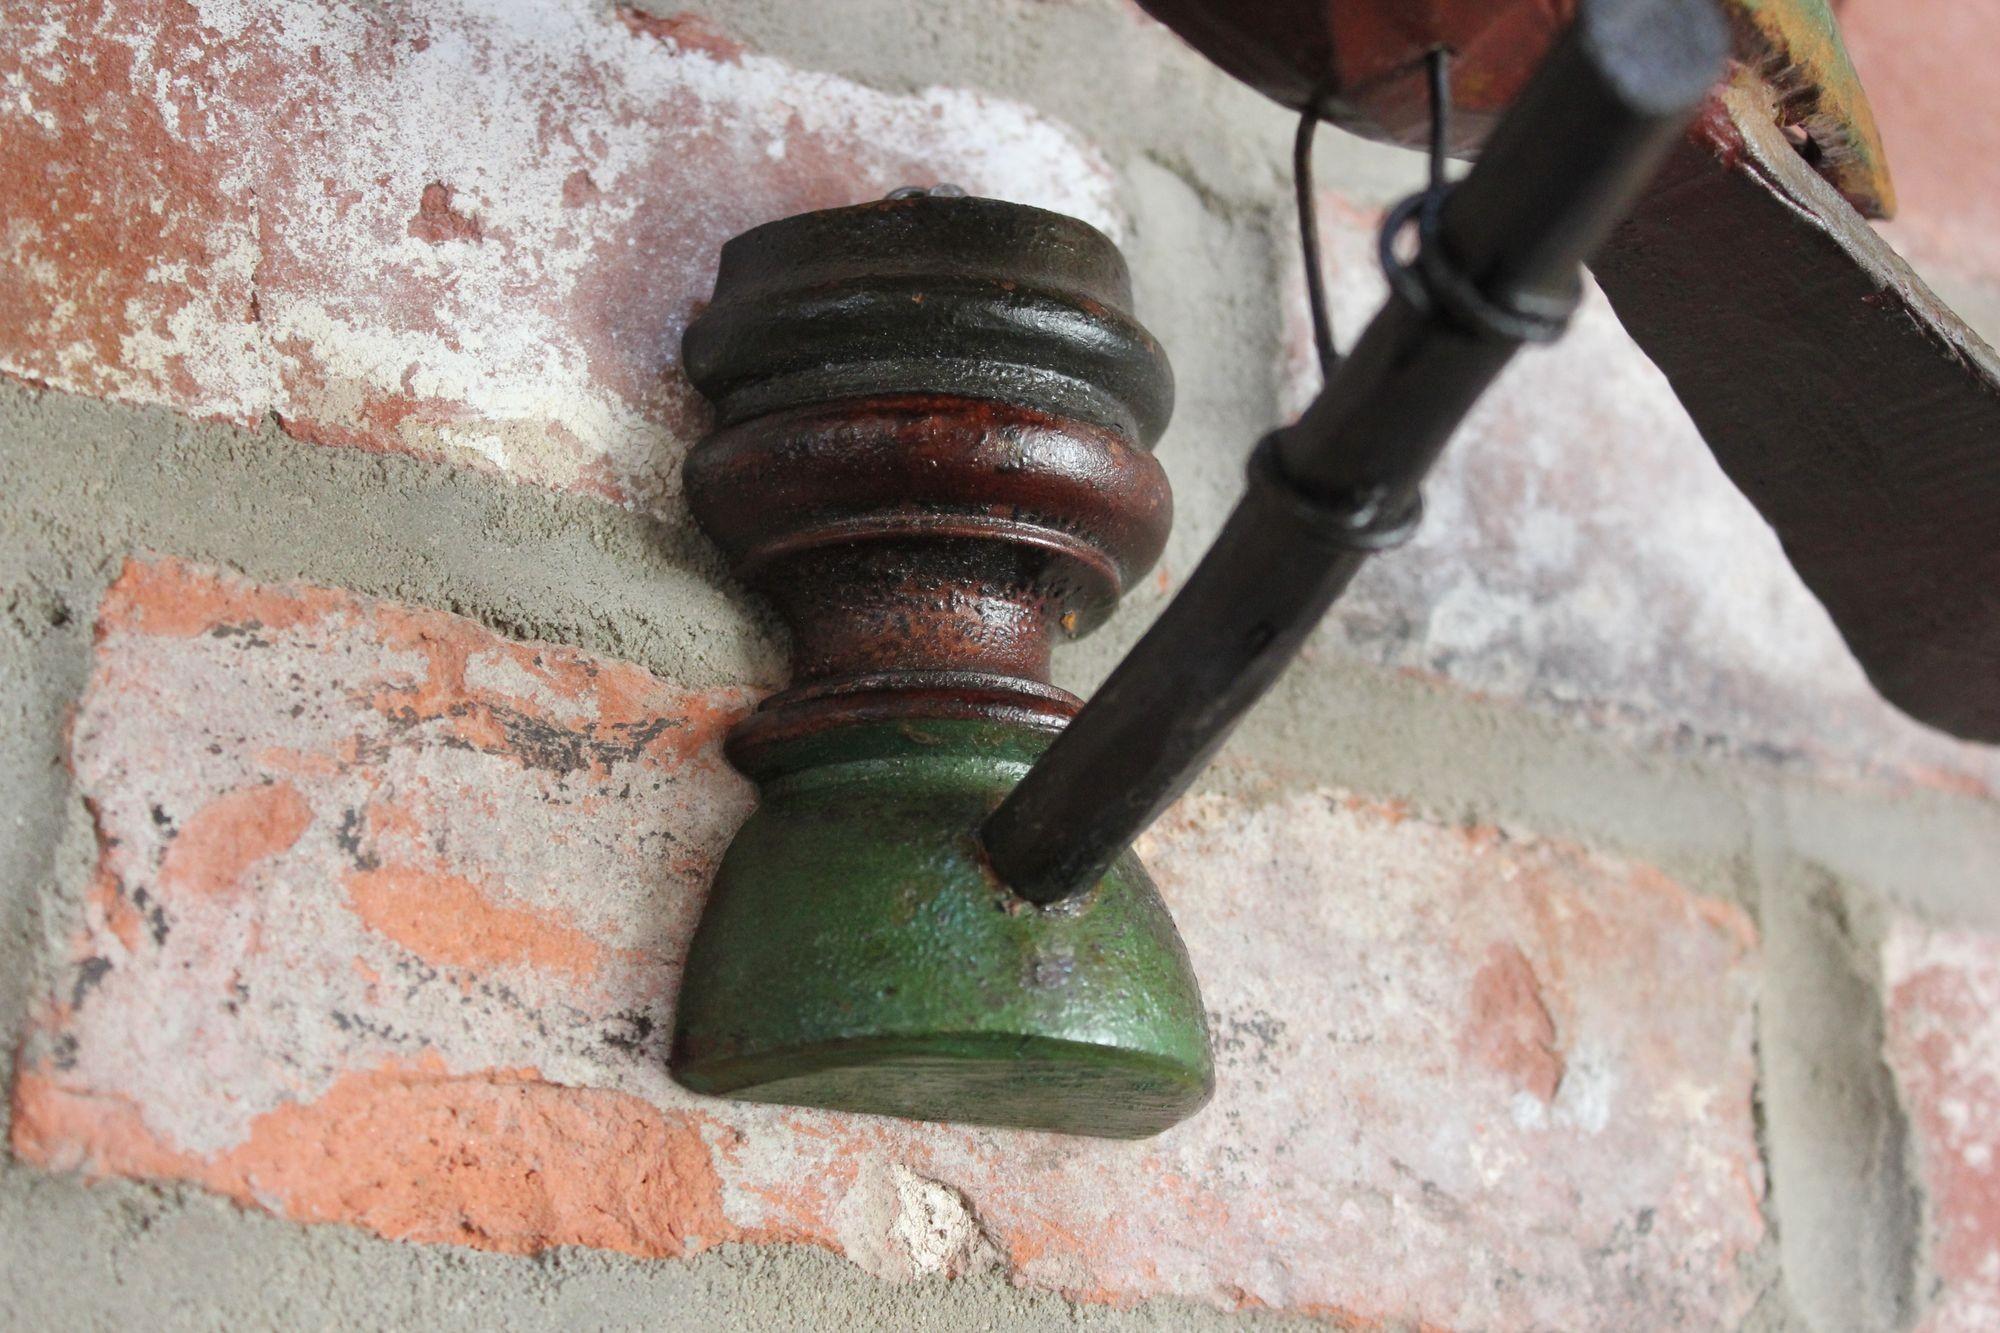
x,y
388,923
1943,1037
1582,550
473,230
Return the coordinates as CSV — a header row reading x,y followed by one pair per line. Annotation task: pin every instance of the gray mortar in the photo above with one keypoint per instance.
x,y
1128,85
1203,166
1835,1136
119,1256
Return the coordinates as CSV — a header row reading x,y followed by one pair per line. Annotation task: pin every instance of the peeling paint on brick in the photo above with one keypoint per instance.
x,y
450,922
449,818
1466,1078
502,1160
478,234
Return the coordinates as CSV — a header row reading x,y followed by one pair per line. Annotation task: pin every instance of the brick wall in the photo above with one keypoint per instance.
x,y
1586,946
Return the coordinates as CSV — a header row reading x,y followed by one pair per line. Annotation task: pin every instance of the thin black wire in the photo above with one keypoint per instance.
x,y
1438,69
1440,83
1302,184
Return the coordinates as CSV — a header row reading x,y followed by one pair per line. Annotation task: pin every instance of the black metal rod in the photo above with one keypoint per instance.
x,y
1501,257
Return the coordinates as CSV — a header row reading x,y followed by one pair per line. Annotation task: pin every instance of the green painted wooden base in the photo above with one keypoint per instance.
x,y
857,955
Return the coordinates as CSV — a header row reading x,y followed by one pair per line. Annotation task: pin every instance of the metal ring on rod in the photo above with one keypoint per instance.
x,y
1433,283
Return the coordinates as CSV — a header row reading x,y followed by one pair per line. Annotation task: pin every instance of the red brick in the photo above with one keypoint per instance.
x,y
1943,1037
231,834
456,229
1467,1079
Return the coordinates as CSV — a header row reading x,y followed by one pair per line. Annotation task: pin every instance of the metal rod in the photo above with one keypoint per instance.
x,y
1499,263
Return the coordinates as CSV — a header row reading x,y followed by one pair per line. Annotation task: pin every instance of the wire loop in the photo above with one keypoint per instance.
x,y
1431,282
1435,285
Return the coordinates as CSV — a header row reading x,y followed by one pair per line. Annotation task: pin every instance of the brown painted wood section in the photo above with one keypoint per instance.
x,y
1840,394
1362,63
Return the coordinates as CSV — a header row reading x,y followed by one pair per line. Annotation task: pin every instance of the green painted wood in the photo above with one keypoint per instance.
x,y
856,954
